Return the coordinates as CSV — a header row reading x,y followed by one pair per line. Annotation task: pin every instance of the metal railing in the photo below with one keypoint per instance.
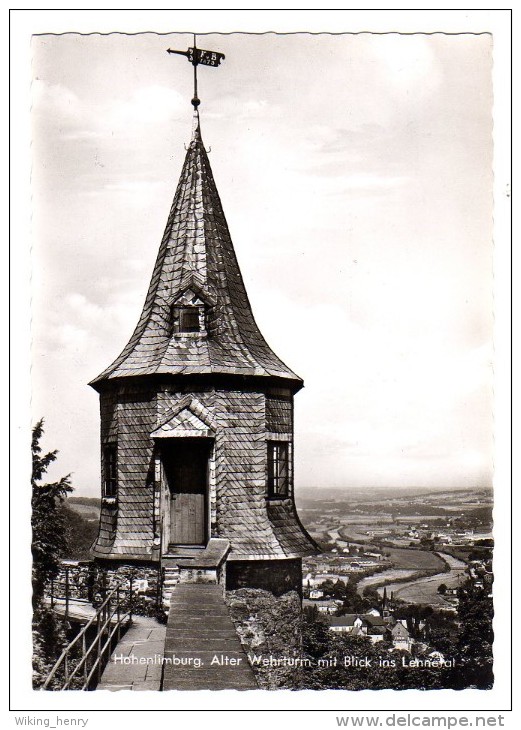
x,y
67,591
82,661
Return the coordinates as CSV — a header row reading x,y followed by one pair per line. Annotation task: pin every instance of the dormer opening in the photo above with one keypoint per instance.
x,y
188,314
186,319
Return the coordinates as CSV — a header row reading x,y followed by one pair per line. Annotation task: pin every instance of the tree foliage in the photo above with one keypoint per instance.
x,y
475,641
49,541
342,661
80,533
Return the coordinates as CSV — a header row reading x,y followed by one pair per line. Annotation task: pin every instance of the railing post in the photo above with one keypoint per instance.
x,y
98,648
118,612
83,653
52,592
131,596
90,583
160,581
66,667
66,593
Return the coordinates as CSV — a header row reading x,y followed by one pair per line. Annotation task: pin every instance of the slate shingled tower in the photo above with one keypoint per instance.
x,y
197,412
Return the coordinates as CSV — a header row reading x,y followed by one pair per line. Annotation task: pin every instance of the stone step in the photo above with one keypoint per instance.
x,y
210,599
199,612
170,580
200,589
202,649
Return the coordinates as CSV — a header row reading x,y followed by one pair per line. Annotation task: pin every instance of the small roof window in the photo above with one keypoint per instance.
x,y
187,319
188,313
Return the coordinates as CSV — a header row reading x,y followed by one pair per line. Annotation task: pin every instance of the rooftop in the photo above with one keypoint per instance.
x,y
196,266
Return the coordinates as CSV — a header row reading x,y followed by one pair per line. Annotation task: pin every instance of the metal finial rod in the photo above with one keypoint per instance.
x,y
195,101
198,56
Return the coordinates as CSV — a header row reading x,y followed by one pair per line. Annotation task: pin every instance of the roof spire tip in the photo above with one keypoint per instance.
x,y
196,128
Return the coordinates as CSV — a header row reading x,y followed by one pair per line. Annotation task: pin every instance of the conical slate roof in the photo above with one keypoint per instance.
x,y
197,256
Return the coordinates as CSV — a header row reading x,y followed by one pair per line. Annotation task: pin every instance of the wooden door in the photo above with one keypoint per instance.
x,y
187,519
185,462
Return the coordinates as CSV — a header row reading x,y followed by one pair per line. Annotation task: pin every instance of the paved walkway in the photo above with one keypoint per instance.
x,y
136,662
202,649
78,610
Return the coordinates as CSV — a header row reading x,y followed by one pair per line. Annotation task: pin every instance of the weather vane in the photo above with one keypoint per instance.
x,y
196,56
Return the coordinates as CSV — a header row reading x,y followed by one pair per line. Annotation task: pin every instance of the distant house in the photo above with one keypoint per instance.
x,y
315,580
400,637
327,607
445,539
377,633
373,627
378,556
361,563
350,623
315,594
377,531
322,567
373,612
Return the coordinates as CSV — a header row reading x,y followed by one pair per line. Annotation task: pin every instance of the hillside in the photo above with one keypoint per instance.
x,y
82,526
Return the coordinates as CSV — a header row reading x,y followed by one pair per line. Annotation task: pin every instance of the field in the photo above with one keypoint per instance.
x,y
415,559
89,511
384,577
406,564
425,590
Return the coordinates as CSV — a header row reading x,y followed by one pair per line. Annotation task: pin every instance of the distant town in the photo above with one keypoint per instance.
x,y
366,534
395,561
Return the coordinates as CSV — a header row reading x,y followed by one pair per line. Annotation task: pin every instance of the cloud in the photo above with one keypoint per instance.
x,y
407,61
54,100
77,119
151,104
365,183
83,308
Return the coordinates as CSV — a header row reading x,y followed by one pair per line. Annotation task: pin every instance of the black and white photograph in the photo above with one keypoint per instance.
x,y
263,386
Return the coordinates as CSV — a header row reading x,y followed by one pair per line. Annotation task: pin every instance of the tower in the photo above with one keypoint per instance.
x,y
197,415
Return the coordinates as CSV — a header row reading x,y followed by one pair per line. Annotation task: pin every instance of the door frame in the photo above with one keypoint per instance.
x,y
166,499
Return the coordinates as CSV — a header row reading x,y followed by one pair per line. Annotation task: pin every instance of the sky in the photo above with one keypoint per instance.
x,y
355,173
